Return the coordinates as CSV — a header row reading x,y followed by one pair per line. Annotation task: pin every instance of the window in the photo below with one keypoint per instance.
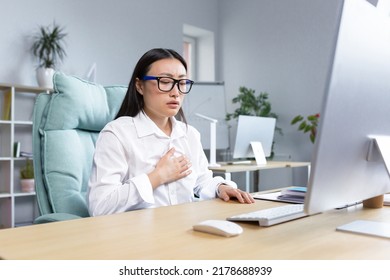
x,y
189,54
199,52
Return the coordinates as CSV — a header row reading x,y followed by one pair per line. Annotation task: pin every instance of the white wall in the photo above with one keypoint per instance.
x,y
114,34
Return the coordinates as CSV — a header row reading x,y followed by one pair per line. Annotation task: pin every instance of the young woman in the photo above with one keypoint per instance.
x,y
146,157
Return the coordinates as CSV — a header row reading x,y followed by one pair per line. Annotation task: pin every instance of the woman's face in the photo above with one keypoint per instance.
x,y
160,104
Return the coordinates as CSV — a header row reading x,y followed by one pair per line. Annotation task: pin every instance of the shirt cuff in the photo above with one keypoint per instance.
x,y
144,187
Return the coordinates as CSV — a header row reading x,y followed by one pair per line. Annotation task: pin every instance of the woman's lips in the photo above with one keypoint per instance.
x,y
173,104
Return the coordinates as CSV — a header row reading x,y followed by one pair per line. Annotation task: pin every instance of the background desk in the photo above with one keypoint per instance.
x,y
247,168
166,233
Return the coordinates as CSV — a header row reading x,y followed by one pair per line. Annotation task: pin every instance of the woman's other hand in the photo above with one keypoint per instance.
x,y
226,193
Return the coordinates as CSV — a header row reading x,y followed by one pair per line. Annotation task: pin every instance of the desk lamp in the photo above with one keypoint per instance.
x,y
213,139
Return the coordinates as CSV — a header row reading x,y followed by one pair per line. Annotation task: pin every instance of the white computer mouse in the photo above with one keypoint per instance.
x,y
219,227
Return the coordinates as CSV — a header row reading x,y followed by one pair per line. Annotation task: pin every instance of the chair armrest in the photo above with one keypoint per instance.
x,y
55,217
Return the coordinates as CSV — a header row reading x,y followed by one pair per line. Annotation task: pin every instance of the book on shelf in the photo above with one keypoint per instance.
x,y
17,149
7,106
26,154
19,153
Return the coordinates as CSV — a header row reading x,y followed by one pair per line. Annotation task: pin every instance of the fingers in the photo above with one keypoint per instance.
x,y
170,153
247,197
244,197
186,163
180,160
224,196
240,196
182,163
227,192
171,168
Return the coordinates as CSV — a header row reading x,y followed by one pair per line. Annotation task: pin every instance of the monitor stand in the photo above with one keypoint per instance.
x,y
258,151
379,149
372,228
380,144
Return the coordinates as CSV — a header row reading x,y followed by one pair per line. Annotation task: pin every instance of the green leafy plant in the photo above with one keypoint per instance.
x,y
48,45
27,172
253,105
308,124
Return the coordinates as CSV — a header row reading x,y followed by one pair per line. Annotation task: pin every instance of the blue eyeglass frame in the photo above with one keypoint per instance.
x,y
175,82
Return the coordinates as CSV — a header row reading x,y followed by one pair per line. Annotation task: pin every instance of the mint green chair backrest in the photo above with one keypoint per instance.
x,y
66,125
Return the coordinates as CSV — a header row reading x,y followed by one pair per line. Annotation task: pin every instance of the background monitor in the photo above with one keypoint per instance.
x,y
251,128
356,107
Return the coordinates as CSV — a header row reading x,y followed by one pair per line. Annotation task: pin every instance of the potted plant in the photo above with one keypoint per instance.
x,y
27,176
48,48
253,105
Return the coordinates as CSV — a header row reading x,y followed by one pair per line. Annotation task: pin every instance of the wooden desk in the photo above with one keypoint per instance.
x,y
228,169
166,234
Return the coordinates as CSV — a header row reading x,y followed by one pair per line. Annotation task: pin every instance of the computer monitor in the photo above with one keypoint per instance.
x,y
356,108
253,129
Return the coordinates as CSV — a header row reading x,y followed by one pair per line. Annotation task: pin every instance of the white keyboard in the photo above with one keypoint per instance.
x,y
272,216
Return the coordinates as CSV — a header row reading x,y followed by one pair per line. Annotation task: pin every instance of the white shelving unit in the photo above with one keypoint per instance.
x,y
17,208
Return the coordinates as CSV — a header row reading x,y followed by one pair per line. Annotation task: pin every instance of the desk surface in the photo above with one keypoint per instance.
x,y
253,167
166,233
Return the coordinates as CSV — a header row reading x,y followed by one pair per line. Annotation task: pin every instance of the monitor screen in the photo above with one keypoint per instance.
x,y
356,107
257,129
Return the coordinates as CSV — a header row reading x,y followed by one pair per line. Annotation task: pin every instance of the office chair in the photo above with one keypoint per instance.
x,y
66,125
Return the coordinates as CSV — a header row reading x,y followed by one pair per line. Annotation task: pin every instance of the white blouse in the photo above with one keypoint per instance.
x,y
128,149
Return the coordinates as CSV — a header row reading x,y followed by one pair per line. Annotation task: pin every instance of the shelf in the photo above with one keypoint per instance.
x,y
20,158
21,88
23,194
5,158
5,195
23,122
17,106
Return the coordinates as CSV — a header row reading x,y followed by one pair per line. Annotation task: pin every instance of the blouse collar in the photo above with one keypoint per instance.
x,y
145,126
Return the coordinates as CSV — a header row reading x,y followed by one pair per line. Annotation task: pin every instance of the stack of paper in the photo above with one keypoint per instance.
x,y
290,195
296,194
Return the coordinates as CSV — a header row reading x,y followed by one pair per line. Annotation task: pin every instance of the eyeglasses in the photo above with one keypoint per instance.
x,y
166,84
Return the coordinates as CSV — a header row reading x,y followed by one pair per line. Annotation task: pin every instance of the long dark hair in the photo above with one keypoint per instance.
x,y
133,103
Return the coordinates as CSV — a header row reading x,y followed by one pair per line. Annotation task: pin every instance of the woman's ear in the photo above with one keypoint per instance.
x,y
139,86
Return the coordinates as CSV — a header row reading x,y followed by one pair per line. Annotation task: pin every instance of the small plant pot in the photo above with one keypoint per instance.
x,y
27,185
45,77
